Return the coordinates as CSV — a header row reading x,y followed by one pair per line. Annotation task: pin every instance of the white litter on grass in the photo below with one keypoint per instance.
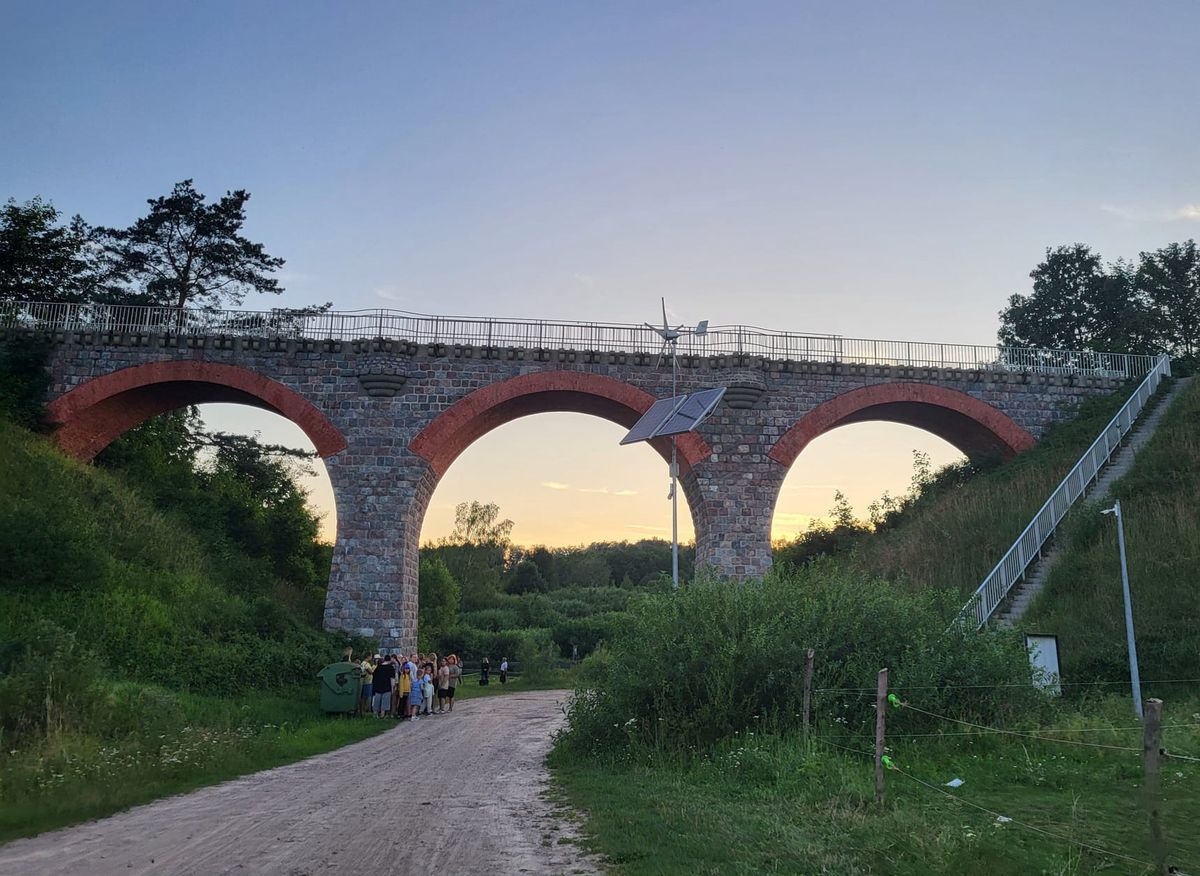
x,y
1002,819
954,783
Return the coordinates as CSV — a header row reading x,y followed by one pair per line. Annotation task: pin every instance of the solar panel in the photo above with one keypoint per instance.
x,y
689,415
647,427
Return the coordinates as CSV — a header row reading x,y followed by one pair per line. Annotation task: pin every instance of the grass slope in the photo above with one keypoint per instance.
x,y
953,536
131,664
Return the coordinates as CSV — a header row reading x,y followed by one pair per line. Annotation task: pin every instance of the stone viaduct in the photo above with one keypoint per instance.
x,y
390,413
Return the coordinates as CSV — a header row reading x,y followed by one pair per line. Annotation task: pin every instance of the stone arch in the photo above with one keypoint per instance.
x,y
974,427
453,430
90,416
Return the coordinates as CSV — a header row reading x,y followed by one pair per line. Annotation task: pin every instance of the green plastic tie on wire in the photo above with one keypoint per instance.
x,y
887,762
894,700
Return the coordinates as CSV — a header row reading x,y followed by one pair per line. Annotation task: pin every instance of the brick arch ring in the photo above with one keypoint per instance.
x,y
454,429
974,427
90,416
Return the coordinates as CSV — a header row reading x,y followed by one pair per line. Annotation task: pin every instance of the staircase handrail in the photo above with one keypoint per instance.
x,y
1017,560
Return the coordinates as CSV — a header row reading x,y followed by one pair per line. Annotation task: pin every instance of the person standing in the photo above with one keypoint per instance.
x,y
381,684
455,678
368,669
403,688
443,684
427,690
484,669
415,695
504,670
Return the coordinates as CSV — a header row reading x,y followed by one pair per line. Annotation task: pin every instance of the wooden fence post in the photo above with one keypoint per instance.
x,y
808,674
880,718
1151,748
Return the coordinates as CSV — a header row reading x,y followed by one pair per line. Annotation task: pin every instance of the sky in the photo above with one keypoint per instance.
x,y
867,169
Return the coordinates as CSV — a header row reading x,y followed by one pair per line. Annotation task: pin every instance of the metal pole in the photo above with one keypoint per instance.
x,y
1133,661
674,489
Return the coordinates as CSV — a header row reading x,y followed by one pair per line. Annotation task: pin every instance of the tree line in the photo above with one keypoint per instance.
x,y
184,252
1078,302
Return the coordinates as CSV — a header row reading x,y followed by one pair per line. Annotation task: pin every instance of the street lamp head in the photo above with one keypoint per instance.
x,y
1109,511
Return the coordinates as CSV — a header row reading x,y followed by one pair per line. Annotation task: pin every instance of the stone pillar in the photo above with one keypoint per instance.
x,y
373,580
737,493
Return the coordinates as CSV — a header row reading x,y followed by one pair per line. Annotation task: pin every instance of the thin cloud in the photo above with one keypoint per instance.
x,y
788,518
389,293
593,489
555,485
641,528
625,493
1186,213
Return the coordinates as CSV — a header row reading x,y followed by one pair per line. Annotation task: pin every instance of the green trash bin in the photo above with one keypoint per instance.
x,y
341,684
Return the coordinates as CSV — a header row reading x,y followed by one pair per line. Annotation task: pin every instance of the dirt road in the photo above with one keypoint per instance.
x,y
454,794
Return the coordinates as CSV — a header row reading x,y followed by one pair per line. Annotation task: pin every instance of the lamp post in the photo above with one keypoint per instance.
x,y
1115,510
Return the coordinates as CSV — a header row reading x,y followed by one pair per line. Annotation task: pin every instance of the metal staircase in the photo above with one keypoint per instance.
x,y
1026,590
1016,576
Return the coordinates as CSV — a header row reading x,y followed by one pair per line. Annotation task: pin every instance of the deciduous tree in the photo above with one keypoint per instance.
x,y
1170,279
44,260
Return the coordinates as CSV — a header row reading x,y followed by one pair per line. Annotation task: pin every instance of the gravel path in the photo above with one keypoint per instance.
x,y
456,794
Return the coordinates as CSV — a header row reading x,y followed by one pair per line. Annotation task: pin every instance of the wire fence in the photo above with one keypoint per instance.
x,y
529,334
886,763
889,765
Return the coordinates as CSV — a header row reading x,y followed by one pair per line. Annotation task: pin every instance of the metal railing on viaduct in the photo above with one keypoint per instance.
x,y
417,328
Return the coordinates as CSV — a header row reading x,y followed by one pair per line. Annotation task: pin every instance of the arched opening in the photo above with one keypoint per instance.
x,y
862,461
974,427
492,406
88,418
563,479
866,436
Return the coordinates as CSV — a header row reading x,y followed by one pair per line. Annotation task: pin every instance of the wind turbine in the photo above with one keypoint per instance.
x,y
670,337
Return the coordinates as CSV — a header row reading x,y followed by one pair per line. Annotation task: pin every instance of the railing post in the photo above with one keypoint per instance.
x,y
881,689
1151,750
808,677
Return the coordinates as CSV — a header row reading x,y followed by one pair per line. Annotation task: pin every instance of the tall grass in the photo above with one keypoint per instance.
x,y
952,537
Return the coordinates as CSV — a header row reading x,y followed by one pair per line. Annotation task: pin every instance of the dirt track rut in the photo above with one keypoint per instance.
x,y
456,794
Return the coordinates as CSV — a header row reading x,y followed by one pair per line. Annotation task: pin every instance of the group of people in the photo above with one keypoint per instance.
x,y
405,687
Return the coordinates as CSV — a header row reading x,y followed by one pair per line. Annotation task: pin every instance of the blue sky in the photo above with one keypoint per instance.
x,y
875,170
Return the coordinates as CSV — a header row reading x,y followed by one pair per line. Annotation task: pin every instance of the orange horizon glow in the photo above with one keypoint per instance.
x,y
588,489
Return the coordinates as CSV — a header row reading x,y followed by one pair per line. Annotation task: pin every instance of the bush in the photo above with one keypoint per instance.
x,y
690,668
48,680
586,633
492,619
24,376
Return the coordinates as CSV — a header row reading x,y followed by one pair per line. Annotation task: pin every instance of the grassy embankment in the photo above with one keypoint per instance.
x,y
749,798
952,535
131,664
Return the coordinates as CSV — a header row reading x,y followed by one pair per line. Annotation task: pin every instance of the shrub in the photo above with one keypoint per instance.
x,y
689,668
